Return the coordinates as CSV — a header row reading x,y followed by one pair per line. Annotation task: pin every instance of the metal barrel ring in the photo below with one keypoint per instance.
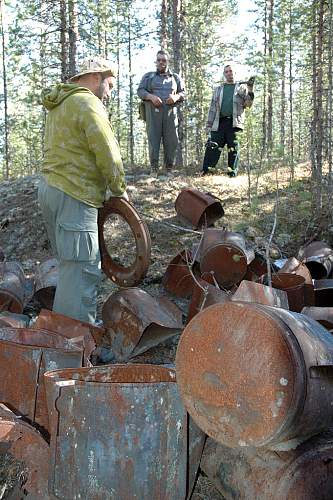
x,y
135,272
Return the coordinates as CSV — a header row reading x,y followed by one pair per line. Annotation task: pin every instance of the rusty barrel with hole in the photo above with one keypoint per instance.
x,y
305,473
254,375
318,257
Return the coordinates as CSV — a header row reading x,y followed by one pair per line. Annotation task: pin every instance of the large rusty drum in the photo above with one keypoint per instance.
x,y
254,375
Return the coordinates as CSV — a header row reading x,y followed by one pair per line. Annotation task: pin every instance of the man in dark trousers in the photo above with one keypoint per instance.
x,y
161,91
226,120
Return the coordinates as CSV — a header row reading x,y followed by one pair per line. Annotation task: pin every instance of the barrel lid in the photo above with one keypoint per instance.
x,y
228,262
239,372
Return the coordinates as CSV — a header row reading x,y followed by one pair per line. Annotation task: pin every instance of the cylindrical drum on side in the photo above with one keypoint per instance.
x,y
254,375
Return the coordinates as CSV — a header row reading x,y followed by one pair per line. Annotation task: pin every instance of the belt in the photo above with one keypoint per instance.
x,y
225,117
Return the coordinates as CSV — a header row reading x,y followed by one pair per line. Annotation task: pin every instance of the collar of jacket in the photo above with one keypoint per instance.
x,y
169,73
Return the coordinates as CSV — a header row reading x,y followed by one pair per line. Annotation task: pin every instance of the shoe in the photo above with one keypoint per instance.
x,y
231,172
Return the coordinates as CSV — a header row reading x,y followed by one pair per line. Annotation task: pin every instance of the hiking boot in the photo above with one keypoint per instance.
x,y
231,172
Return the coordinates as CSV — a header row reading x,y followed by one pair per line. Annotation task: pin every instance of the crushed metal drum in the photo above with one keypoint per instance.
x,y
324,315
46,277
25,355
204,295
23,446
254,375
121,431
263,474
178,277
323,290
293,285
135,272
294,266
225,254
12,287
135,321
318,257
90,335
256,268
249,291
15,320
197,208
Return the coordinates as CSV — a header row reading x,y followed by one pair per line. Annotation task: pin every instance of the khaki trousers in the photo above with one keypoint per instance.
x,y
72,230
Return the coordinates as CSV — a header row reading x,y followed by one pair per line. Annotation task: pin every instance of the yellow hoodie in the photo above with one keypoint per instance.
x,y
82,156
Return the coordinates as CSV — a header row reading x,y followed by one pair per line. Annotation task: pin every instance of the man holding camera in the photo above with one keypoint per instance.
x,y
226,120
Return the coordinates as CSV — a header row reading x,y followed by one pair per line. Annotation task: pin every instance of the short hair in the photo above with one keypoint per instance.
x,y
163,53
227,66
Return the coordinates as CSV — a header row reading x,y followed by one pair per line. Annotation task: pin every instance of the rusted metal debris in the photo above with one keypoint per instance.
x,y
135,321
15,320
293,285
318,257
324,315
25,355
256,268
253,375
13,293
134,273
225,254
204,296
178,277
120,431
294,266
323,290
249,291
21,443
46,277
91,336
200,209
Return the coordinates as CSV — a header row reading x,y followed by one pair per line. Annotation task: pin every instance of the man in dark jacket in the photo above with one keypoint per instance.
x,y
226,119
161,91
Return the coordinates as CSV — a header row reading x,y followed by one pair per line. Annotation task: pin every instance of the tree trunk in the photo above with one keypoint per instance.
x,y
291,111
270,77
319,106
164,25
73,35
131,131
63,40
5,93
264,97
176,36
330,104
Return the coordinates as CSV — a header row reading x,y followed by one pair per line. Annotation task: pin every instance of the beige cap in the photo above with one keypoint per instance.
x,y
96,65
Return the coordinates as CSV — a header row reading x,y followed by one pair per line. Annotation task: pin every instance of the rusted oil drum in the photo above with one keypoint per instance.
x,y
24,454
254,375
294,266
15,320
178,277
324,315
318,257
225,254
200,209
25,355
293,285
121,431
135,272
46,276
304,473
12,287
249,291
204,295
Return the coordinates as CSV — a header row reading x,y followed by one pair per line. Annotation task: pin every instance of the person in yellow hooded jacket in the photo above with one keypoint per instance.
x,y
81,162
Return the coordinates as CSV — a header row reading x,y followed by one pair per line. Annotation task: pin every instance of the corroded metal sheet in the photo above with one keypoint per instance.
x,y
87,334
293,285
253,375
12,287
178,278
22,444
294,266
135,321
46,276
324,315
134,273
302,473
120,432
25,355
318,257
15,320
200,209
249,291
224,253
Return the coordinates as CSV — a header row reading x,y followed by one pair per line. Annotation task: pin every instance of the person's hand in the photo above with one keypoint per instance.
x,y
156,101
172,99
124,195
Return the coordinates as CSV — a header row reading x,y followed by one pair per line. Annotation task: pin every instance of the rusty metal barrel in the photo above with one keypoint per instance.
x,y
318,257
254,375
224,253
12,287
200,209
121,431
293,285
46,277
25,355
252,473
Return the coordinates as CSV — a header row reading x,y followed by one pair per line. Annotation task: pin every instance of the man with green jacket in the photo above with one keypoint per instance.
x,y
81,161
